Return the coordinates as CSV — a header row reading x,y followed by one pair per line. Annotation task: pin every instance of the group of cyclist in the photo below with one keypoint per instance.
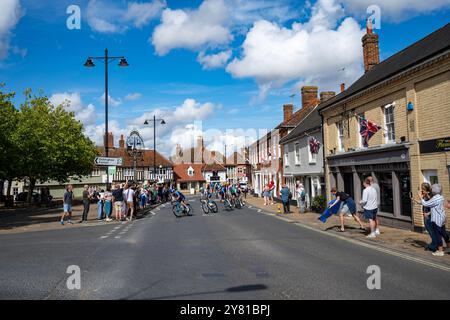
x,y
231,194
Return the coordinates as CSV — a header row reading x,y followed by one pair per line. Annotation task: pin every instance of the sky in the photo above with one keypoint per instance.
x,y
218,68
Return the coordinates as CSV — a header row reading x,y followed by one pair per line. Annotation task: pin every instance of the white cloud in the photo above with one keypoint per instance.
x,y
111,101
397,10
74,103
192,29
315,50
213,61
105,17
141,14
9,17
133,96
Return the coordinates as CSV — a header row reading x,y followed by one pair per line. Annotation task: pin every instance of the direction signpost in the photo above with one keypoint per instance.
x,y
104,161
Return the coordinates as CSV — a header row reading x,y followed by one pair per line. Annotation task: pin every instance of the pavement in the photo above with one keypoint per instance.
x,y
401,240
248,254
30,219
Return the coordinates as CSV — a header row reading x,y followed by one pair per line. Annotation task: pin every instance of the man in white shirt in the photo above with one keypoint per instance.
x,y
369,203
129,198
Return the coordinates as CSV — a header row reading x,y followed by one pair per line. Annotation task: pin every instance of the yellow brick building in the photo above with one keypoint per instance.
x,y
408,96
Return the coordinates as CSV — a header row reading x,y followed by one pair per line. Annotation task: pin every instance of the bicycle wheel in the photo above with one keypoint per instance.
x,y
189,211
177,211
205,207
237,204
213,207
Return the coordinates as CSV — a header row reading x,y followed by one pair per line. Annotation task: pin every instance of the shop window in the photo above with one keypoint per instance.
x,y
405,188
15,192
386,192
286,158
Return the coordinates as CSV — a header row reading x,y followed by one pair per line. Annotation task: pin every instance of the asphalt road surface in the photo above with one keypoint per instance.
x,y
241,254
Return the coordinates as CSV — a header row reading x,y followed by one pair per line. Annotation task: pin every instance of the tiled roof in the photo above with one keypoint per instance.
x,y
128,161
311,122
297,117
432,45
213,167
181,172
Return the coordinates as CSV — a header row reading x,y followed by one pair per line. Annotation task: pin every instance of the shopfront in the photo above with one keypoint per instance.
x,y
389,166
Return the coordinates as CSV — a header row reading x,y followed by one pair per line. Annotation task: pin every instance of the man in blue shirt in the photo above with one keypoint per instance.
x,y
285,198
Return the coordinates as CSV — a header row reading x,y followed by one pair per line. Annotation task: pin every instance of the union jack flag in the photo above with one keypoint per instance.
x,y
367,129
314,145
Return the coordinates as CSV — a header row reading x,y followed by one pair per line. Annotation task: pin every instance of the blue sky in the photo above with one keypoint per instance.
x,y
217,64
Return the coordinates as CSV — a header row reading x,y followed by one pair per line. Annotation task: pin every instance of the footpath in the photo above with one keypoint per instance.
x,y
29,219
403,242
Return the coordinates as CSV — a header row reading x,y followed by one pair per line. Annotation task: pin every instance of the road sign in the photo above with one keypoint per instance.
x,y
103,161
112,170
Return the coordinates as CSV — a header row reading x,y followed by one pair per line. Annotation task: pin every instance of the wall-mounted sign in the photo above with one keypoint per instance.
x,y
435,145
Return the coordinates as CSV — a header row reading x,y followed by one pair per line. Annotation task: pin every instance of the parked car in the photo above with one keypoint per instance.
x,y
23,196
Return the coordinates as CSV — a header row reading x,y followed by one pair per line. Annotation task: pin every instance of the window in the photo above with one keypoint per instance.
x,y
128,173
430,176
286,157
389,123
358,134
95,173
405,188
340,136
15,191
190,171
297,154
312,156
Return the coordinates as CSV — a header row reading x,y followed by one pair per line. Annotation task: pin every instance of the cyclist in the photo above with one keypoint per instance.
x,y
233,192
180,198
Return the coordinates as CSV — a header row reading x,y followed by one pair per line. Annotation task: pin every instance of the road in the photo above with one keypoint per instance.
x,y
241,254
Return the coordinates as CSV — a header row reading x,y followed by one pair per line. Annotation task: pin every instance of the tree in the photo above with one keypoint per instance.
x,y
52,143
8,150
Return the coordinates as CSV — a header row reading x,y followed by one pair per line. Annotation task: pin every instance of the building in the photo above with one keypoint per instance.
x,y
408,97
265,155
144,170
238,167
300,163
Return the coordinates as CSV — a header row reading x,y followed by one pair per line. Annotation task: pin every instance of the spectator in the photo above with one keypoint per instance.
x,y
266,195
370,205
129,198
437,212
87,196
285,198
271,190
425,190
347,204
301,197
67,204
101,202
117,198
108,205
377,189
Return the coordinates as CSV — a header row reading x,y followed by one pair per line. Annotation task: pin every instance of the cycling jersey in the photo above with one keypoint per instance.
x,y
180,196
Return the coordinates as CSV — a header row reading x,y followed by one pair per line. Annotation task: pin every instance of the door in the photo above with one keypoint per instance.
x,y
430,176
348,184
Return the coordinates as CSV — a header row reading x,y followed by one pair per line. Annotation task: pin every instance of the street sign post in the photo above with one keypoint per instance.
x,y
104,161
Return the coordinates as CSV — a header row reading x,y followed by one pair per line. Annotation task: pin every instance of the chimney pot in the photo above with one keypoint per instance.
x,y
326,95
371,51
288,110
121,142
309,96
342,87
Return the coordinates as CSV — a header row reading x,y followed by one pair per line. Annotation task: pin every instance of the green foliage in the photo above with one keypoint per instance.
x,y
319,203
43,142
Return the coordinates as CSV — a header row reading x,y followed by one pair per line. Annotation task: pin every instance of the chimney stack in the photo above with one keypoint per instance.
x,y
371,50
342,87
121,142
288,110
326,95
309,96
110,140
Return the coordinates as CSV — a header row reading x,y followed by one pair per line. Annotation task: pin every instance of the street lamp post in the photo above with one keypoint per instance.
x,y
90,64
154,139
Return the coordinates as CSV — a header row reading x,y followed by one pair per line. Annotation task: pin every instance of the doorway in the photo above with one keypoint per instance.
x,y
348,184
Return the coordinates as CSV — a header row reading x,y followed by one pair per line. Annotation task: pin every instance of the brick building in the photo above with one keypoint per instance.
x,y
408,96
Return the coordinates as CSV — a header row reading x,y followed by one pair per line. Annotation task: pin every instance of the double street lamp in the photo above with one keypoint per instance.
x,y
154,139
90,64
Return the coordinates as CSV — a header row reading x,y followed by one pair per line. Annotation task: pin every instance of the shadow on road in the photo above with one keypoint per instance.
x,y
250,287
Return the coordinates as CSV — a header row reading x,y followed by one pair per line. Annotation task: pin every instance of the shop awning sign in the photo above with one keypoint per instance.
x,y
435,145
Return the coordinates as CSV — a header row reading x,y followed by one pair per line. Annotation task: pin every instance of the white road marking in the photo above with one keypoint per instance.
x,y
250,207
103,237
117,237
152,212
